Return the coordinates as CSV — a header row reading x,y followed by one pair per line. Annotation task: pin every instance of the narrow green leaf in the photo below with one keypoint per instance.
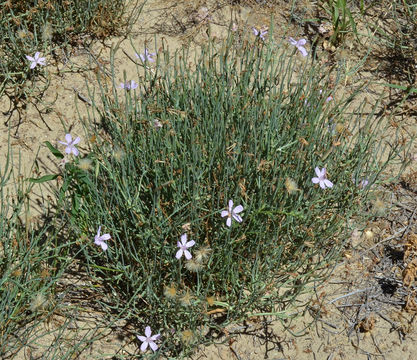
x,y
43,179
54,150
410,89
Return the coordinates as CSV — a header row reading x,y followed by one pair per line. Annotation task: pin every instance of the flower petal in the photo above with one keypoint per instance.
x,y
229,222
322,185
75,151
30,58
104,246
189,244
183,239
238,209
315,180
317,170
105,237
141,338
237,218
302,42
144,346
303,51
76,141
292,41
32,66
148,331
37,55
255,32
155,337
179,253
153,346
68,138
187,254
328,183
230,205
225,213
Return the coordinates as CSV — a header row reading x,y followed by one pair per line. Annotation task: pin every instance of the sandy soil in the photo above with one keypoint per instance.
x,y
364,310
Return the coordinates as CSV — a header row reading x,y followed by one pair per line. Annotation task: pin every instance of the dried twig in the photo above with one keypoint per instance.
x,y
350,294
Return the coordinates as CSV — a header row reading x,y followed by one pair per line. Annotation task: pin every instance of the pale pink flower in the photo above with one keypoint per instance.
x,y
330,98
100,239
71,144
148,339
146,56
184,246
363,183
36,60
321,178
232,213
299,45
157,124
259,33
63,162
129,85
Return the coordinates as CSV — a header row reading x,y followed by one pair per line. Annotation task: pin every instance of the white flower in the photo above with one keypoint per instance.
x,y
148,339
184,246
321,178
232,213
71,144
36,60
100,239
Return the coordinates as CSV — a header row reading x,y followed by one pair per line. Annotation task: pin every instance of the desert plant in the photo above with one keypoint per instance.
x,y
242,161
